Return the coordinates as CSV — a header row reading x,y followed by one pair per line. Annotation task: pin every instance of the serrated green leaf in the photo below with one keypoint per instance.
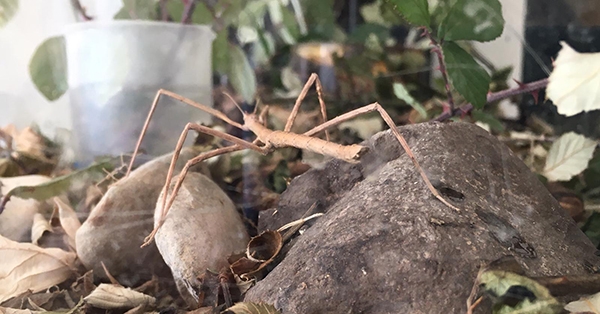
x,y
253,308
479,20
403,94
414,11
568,156
138,10
467,76
8,8
48,68
240,73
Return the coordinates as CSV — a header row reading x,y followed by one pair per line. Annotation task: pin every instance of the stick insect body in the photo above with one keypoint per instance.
x,y
268,140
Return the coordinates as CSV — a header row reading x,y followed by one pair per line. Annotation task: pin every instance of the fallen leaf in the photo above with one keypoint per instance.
x,y
512,293
111,297
68,220
8,310
40,226
16,221
58,185
252,308
28,267
568,156
589,303
573,83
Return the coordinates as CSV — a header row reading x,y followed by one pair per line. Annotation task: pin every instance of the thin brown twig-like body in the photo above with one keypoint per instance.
x,y
267,140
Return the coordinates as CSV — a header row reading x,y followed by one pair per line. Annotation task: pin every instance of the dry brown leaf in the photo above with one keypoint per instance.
x,y
30,142
28,267
110,297
68,220
17,218
253,308
8,310
39,227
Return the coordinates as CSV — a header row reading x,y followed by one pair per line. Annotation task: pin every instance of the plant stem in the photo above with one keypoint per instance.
x,y
437,49
190,5
164,14
77,5
522,89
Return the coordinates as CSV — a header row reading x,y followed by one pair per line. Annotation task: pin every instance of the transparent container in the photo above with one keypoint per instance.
x,y
115,71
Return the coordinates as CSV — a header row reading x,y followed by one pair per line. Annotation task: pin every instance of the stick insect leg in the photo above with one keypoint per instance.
x,y
313,79
185,100
169,198
388,120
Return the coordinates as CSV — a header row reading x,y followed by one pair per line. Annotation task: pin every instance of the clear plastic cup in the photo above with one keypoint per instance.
x,y
115,71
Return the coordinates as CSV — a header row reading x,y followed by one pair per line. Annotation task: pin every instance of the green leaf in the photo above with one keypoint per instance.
x,y
414,11
48,68
201,13
403,94
467,76
240,73
363,31
479,20
220,52
229,10
321,18
592,228
59,185
488,119
8,8
138,10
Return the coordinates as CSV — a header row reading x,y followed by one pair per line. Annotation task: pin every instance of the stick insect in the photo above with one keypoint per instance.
x,y
268,140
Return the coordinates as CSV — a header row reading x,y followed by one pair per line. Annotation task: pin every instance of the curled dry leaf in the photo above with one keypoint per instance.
x,y
28,267
573,84
587,304
111,297
252,308
68,220
568,157
39,228
260,252
264,247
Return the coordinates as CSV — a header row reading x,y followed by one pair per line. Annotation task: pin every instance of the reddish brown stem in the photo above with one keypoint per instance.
x,y
437,49
186,18
522,89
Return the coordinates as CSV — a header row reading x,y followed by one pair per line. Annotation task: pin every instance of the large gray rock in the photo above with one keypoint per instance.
x,y
386,245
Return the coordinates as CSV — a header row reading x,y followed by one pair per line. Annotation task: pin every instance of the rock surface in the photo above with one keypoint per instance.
x,y
386,245
122,219
200,231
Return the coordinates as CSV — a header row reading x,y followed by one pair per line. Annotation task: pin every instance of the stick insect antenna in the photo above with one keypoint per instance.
x,y
235,103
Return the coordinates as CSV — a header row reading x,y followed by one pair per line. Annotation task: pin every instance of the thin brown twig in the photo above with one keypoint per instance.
x,y
522,89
